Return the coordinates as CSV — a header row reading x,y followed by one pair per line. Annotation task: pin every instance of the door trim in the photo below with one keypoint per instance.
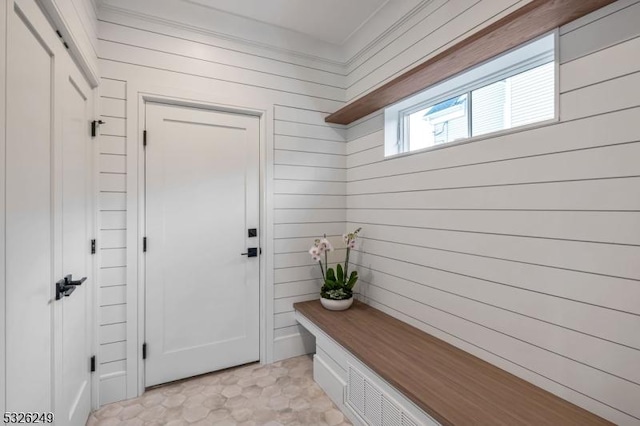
x,y
3,97
143,98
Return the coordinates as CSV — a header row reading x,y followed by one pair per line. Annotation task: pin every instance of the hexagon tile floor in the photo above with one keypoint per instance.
x,y
283,393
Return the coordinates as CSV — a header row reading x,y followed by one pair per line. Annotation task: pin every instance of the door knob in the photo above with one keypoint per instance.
x,y
251,252
70,281
66,286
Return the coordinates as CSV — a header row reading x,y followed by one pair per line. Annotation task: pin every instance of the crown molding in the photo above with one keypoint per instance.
x,y
386,33
103,7
364,23
215,34
200,3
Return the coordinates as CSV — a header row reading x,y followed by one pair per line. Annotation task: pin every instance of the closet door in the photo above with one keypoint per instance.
x,y
32,48
49,223
73,231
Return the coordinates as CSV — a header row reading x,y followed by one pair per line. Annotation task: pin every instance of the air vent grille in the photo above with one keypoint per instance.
x,y
356,391
374,406
407,421
391,415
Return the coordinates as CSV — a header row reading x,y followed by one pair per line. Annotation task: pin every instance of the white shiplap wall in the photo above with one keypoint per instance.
x,y
309,196
522,249
112,225
306,167
434,28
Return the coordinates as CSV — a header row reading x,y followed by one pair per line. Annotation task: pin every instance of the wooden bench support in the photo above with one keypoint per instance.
x,y
381,371
362,395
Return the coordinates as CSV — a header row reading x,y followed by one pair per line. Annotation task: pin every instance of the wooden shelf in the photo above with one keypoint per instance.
x,y
451,385
528,22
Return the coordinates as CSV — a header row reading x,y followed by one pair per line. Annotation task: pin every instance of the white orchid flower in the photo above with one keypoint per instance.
x,y
315,253
325,245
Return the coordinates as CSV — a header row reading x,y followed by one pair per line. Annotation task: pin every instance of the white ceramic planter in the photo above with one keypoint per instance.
x,y
336,305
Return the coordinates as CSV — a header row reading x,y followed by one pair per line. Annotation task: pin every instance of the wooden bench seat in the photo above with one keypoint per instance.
x,y
449,384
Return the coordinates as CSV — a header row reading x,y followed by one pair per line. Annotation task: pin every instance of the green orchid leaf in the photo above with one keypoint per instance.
x,y
352,280
340,274
331,276
331,285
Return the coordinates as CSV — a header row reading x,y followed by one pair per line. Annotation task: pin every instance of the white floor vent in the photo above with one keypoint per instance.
x,y
372,405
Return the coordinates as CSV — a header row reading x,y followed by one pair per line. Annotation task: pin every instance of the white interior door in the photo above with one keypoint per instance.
x,y
202,197
31,55
48,222
74,314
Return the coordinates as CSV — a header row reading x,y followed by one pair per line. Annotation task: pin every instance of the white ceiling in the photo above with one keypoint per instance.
x,y
333,31
331,21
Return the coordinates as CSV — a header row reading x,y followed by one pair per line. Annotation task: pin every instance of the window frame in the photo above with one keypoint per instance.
x,y
537,52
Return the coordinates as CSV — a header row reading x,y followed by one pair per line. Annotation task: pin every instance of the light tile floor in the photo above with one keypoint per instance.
x,y
283,393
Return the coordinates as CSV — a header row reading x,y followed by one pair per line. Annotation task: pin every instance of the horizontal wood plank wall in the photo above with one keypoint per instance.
x,y
112,242
521,249
443,23
310,189
432,30
519,27
309,158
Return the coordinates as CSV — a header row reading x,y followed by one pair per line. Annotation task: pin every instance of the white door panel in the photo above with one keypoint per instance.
x,y
73,327
48,221
202,195
29,230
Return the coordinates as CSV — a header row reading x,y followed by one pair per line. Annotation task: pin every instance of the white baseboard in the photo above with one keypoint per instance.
x,y
113,388
293,345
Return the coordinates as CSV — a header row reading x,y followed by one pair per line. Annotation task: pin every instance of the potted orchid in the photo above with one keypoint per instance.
x,y
337,290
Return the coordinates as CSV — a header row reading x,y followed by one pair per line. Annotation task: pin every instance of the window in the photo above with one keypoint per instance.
x,y
512,90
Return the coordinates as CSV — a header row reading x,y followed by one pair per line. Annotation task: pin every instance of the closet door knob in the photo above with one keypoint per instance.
x,y
70,281
251,252
67,285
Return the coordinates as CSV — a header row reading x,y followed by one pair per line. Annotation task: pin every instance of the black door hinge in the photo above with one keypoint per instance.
x,y
93,364
144,138
93,246
144,351
94,127
61,38
144,245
